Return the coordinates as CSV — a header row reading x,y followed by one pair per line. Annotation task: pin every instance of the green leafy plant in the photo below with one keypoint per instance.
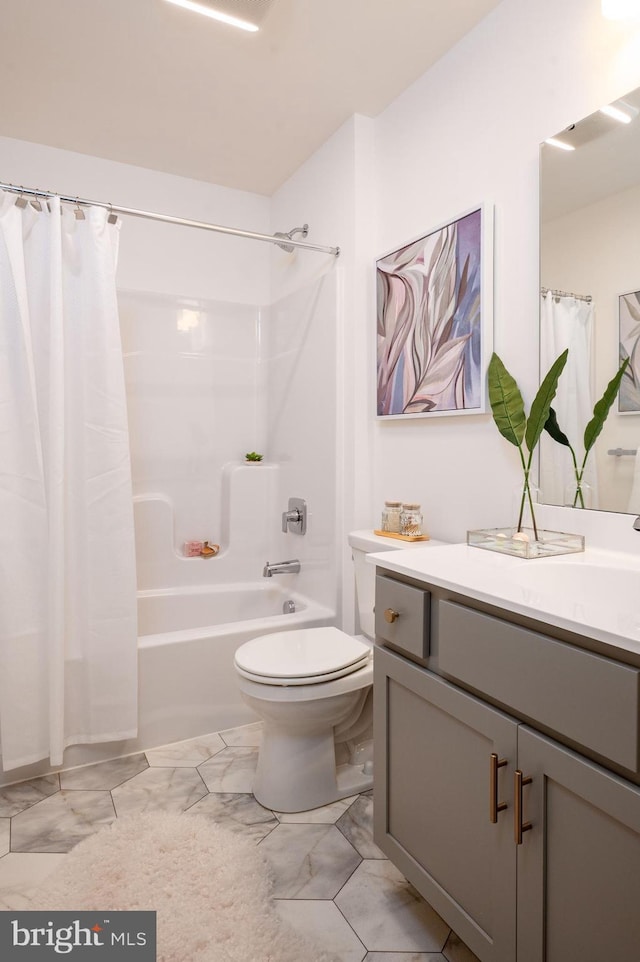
x,y
512,422
591,432
253,456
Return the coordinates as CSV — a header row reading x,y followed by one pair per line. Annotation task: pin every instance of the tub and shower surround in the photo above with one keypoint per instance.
x,y
195,612
208,381
195,405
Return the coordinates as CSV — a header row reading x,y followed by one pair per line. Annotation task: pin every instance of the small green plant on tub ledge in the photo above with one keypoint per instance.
x,y
253,457
591,432
514,425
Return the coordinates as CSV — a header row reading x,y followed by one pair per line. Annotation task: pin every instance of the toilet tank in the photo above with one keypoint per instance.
x,y
363,543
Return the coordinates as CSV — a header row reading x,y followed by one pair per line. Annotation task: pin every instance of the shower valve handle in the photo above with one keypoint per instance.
x,y
294,519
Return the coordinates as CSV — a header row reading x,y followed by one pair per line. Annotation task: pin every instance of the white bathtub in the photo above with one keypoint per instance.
x,y
168,610
187,640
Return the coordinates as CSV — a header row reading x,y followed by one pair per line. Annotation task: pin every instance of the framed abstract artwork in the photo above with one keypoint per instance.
x,y
629,327
435,320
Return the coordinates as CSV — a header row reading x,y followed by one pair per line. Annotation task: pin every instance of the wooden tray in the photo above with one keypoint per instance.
x,y
402,537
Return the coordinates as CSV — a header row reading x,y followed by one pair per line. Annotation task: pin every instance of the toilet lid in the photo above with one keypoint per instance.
x,y
309,653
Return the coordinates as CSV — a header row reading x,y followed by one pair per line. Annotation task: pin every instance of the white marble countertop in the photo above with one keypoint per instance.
x,y
595,593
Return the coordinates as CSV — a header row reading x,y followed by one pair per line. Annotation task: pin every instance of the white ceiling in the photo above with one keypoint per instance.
x,y
145,82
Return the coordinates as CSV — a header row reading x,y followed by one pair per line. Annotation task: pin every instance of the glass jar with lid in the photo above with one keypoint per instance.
x,y
391,516
411,520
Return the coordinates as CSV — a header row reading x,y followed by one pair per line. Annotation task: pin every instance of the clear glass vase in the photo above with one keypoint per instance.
x,y
521,507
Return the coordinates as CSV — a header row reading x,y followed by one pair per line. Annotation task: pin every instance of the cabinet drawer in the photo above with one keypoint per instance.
x,y
409,631
586,698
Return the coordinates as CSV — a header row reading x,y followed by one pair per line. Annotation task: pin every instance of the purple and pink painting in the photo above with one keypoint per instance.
x,y
629,318
430,323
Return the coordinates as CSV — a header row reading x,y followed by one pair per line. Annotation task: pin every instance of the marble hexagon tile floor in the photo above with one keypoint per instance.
x,y
331,881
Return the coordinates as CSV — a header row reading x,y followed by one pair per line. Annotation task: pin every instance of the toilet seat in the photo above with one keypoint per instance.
x,y
304,657
306,679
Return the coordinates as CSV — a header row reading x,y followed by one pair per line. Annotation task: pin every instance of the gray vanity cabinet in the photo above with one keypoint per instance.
x,y
433,747
543,871
579,865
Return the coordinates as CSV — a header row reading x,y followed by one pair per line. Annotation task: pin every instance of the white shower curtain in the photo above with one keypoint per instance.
x,y
68,656
567,322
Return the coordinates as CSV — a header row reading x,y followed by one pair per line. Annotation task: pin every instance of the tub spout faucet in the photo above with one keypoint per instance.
x,y
281,568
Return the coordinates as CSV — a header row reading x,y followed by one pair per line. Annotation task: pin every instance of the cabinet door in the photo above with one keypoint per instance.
x,y
579,865
432,801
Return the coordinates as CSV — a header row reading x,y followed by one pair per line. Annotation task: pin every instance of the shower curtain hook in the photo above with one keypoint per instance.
x,y
78,212
22,200
112,218
35,203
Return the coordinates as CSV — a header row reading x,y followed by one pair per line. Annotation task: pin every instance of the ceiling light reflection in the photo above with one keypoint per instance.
x,y
215,14
554,142
616,113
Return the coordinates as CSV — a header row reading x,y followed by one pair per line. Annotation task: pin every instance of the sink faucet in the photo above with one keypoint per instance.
x,y
281,568
636,523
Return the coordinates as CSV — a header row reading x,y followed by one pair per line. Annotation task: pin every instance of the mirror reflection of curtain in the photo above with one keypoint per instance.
x,y
567,322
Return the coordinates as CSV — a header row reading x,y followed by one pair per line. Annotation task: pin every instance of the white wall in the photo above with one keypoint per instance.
x,y
156,257
468,131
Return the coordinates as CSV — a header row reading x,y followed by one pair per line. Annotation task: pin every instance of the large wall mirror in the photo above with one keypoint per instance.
x,y
590,300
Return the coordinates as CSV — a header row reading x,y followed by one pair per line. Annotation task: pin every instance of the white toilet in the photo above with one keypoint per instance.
x,y
313,690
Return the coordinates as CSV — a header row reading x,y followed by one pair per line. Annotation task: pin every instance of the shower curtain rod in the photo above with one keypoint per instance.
x,y
167,219
579,297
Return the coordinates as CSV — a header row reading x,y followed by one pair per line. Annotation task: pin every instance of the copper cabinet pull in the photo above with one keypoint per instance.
x,y
518,824
494,805
390,615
